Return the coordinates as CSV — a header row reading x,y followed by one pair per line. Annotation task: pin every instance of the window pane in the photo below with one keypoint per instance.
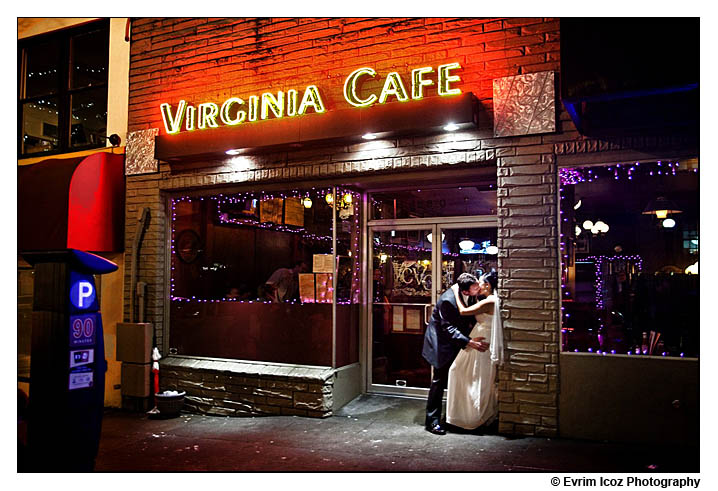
x,y
39,122
42,74
469,200
88,59
252,278
89,118
629,263
348,295
401,287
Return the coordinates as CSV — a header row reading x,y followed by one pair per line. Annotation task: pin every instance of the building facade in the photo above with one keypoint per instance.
x,y
73,89
334,153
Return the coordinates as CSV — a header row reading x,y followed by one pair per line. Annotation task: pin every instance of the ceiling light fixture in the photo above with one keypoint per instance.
x,y
234,151
369,136
661,207
466,245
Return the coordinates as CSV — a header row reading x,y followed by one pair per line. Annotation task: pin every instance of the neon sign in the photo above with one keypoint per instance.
x,y
268,105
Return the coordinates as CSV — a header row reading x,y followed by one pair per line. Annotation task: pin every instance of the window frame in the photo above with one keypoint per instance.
x,y
64,92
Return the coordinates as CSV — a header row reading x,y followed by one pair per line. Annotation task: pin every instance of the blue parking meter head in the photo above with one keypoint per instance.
x,y
88,263
80,261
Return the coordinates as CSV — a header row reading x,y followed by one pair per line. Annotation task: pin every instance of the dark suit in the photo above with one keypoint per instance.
x,y
446,333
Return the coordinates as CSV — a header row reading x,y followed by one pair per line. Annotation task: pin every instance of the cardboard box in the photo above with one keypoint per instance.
x,y
134,342
135,379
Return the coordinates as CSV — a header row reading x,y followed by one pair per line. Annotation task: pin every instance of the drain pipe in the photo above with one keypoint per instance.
x,y
142,225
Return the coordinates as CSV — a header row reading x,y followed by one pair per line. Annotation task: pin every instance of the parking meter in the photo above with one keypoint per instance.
x,y
67,371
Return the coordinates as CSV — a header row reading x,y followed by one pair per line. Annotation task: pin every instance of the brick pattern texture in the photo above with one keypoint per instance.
x,y
204,59
213,387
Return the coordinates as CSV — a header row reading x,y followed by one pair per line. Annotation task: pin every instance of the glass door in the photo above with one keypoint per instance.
x,y
405,285
402,294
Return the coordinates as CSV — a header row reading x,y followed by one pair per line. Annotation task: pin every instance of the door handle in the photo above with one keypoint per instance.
x,y
427,313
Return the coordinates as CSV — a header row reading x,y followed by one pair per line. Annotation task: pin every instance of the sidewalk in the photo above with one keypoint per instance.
x,y
372,433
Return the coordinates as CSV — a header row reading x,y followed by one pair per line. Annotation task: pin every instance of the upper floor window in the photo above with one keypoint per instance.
x,y
62,90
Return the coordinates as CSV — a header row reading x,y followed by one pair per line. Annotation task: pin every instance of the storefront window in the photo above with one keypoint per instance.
x,y
629,249
253,276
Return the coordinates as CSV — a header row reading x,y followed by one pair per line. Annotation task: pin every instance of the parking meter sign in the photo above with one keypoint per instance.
x,y
82,330
81,378
82,357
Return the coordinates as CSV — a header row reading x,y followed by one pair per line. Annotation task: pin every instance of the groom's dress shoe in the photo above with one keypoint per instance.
x,y
436,429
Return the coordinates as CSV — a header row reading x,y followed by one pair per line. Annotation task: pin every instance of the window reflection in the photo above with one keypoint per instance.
x,y
42,70
40,125
88,59
89,118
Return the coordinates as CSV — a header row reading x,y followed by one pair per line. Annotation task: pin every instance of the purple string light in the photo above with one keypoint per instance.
x,y
569,176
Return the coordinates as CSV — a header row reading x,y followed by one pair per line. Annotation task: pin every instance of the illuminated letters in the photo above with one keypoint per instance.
x,y
207,115
224,113
311,98
253,106
189,118
276,104
418,83
445,79
291,102
172,124
84,291
393,86
350,88
268,105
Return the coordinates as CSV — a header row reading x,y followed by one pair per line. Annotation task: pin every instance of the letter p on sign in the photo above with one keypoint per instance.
x,y
84,292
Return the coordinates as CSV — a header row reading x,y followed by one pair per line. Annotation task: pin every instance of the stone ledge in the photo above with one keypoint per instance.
x,y
286,372
242,388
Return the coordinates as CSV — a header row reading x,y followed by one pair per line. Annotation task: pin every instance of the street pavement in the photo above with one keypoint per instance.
x,y
371,433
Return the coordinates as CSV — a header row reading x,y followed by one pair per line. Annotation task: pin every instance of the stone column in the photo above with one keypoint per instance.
x,y
529,286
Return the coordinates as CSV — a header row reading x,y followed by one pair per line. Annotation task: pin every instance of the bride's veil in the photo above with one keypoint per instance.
x,y
496,347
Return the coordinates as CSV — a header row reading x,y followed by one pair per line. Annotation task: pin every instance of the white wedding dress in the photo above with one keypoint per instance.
x,y
472,398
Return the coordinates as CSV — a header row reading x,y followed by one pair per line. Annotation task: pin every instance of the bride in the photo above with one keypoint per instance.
x,y
472,398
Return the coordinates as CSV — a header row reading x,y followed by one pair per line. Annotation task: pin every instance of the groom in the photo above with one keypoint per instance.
x,y
447,333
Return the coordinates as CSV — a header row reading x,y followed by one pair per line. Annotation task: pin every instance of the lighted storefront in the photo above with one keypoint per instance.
x,y
308,210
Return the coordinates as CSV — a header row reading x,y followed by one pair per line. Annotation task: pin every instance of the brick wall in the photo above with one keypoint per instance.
x,y
213,59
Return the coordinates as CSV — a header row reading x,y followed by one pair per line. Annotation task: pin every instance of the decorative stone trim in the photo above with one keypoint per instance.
x,y
652,143
140,152
524,104
244,388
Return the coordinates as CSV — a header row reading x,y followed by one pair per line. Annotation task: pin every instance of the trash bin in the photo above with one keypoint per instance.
x,y
170,403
